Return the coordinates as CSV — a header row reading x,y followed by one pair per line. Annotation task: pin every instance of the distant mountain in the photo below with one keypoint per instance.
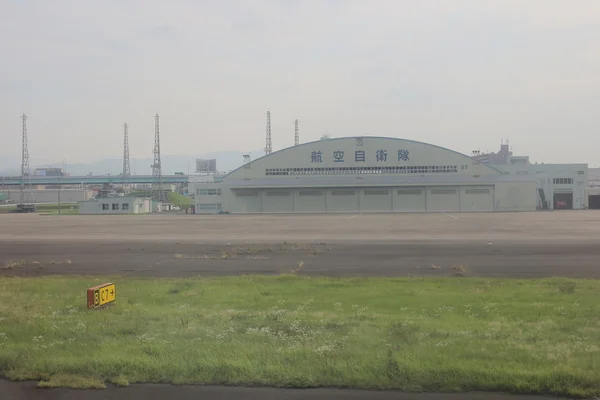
x,y
226,161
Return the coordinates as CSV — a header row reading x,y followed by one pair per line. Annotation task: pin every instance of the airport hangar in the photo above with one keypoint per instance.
x,y
363,175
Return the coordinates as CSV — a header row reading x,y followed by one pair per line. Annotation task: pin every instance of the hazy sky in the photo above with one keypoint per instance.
x,y
462,74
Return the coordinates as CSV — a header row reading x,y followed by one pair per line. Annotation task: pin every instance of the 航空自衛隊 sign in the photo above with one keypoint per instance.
x,y
101,295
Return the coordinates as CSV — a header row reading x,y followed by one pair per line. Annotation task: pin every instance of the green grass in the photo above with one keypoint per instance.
x,y
179,200
433,334
139,194
52,209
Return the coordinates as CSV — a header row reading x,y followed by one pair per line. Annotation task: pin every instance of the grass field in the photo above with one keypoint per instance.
x,y
438,334
52,209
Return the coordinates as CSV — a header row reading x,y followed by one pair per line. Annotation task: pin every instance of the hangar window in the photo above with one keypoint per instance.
x,y
376,192
277,193
443,191
343,192
115,206
403,192
125,206
477,191
426,169
580,172
105,206
310,193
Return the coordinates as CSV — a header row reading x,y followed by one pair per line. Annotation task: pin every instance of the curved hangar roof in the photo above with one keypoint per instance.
x,y
362,156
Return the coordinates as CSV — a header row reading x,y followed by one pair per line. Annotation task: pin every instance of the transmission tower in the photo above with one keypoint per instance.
x,y
269,146
296,134
157,188
126,164
26,203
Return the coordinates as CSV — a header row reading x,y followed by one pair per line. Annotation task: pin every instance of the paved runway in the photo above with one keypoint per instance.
x,y
505,259
522,244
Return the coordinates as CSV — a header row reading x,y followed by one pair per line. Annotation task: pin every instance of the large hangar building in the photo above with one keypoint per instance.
x,y
366,174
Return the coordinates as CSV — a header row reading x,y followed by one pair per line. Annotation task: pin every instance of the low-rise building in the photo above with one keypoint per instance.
x,y
558,186
116,205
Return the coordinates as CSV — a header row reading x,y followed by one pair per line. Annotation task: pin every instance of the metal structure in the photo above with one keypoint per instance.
x,y
269,145
296,134
12,182
157,185
26,203
126,163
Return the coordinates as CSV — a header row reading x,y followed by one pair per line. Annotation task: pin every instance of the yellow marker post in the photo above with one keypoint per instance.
x,y
101,295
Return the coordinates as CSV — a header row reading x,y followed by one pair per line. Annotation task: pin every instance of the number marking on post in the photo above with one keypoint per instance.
x,y
101,295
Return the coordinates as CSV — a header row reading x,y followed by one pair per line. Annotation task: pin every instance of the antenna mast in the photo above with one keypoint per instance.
x,y
157,187
126,164
296,134
269,146
26,203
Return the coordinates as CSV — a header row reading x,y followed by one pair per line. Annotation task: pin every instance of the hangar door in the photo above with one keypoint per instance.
x,y
443,199
247,201
342,200
594,202
376,200
476,198
310,201
409,199
563,200
278,201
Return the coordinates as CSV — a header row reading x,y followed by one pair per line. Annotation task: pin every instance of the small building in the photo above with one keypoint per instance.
x,y
558,186
116,205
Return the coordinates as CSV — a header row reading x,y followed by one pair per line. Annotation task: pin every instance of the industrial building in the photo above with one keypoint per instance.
x,y
116,205
366,174
558,186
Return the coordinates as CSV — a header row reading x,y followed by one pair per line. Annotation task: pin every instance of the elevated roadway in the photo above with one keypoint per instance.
x,y
88,180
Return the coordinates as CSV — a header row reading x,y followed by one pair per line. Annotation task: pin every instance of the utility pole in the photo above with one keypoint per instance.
x,y
296,134
59,185
157,188
26,202
269,145
126,164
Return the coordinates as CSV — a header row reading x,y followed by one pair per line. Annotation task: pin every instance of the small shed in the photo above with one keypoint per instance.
x,y
116,205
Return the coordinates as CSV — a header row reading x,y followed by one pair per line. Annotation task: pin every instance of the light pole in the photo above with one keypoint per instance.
x,y
59,195
133,166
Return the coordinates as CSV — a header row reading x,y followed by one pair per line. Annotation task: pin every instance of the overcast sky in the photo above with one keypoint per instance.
x,y
463,74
